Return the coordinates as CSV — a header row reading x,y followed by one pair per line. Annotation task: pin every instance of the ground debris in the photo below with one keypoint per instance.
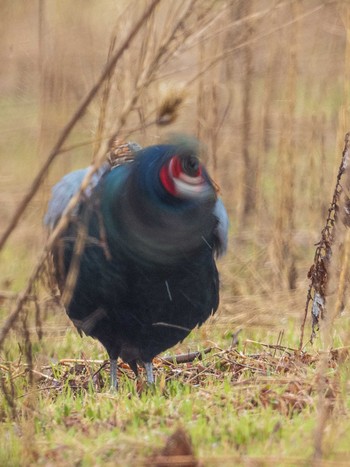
x,y
275,376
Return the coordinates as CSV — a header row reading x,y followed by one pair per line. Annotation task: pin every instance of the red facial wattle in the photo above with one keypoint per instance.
x,y
167,180
179,182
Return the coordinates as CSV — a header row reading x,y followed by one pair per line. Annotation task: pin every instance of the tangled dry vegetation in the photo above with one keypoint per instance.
x,y
257,373
261,377
264,84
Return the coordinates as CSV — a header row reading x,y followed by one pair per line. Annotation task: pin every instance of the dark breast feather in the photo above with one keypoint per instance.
x,y
126,305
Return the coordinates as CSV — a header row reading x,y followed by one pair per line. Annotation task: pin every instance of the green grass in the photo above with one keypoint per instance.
x,y
227,414
231,413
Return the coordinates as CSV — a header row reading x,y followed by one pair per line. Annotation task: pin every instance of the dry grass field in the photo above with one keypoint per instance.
x,y
264,84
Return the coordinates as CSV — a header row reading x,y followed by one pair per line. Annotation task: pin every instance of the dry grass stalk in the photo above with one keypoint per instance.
x,y
168,46
73,121
173,38
337,273
319,273
328,273
166,113
255,374
62,224
105,96
282,248
220,57
249,161
213,106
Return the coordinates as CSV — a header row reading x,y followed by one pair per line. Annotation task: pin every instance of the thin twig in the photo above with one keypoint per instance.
x,y
271,346
186,357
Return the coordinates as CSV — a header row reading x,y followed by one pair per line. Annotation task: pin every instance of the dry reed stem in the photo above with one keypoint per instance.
x,y
325,404
105,96
249,159
246,372
63,222
324,409
213,62
282,244
231,24
207,21
73,121
319,273
60,227
165,49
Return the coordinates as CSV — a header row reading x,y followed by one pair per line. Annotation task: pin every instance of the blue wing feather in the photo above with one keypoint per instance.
x,y
65,189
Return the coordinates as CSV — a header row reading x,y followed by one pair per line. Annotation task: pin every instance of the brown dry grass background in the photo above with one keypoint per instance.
x,y
265,85
265,89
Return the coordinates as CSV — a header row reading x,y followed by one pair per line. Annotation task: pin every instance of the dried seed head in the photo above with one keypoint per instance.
x,y
169,106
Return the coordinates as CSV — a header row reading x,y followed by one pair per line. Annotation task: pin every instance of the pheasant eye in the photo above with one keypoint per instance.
x,y
182,177
190,166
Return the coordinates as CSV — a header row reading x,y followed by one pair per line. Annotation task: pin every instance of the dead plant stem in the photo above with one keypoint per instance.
x,y
73,121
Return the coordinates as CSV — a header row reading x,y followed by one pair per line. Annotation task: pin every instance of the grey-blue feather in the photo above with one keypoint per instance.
x,y
65,189
221,231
